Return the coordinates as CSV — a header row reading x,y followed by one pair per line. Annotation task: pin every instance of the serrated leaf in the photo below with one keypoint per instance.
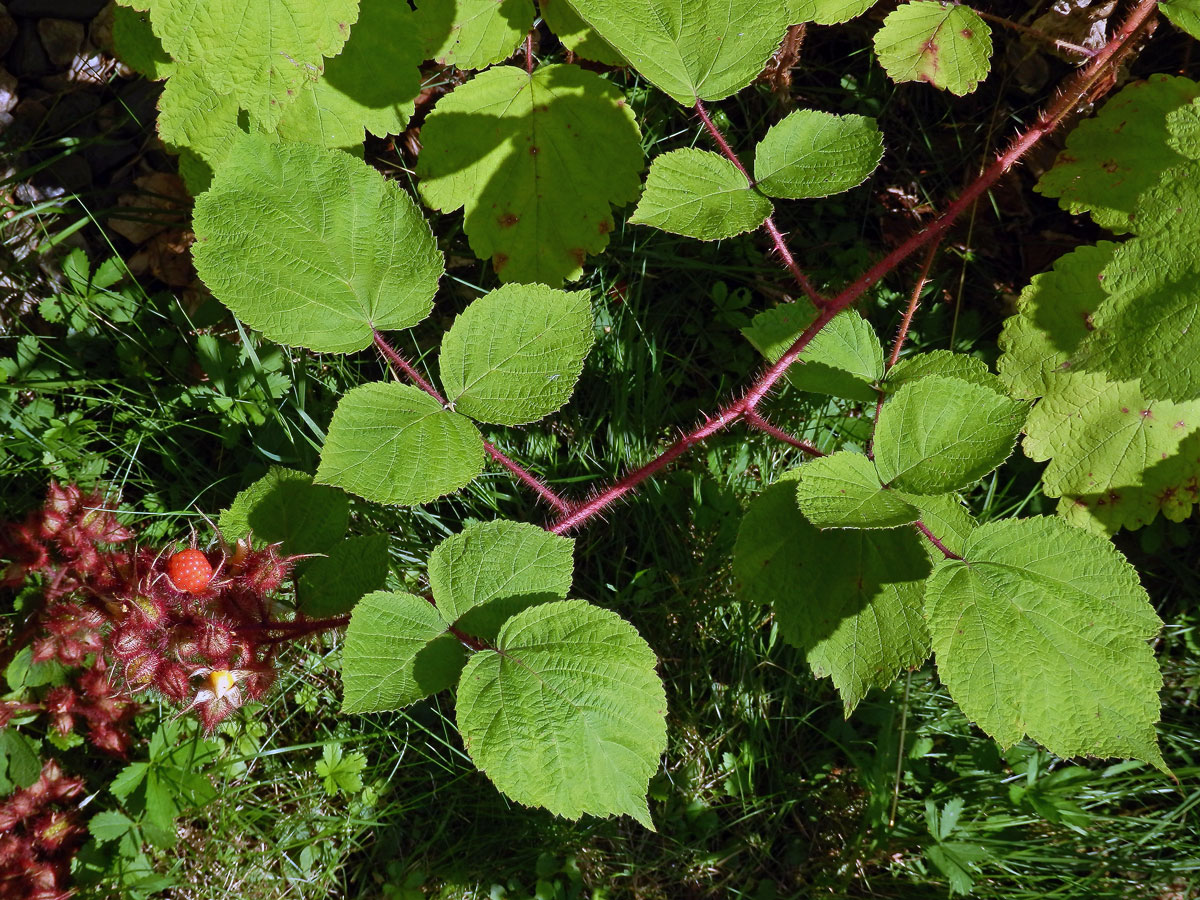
x,y
946,518
313,247
135,44
518,153
1117,458
567,713
700,195
843,491
941,362
108,825
843,360
393,443
827,12
492,570
860,621
397,651
194,116
372,84
814,154
24,767
261,51
1184,14
128,780
576,35
944,44
1111,158
691,49
939,434
340,771
513,356
332,584
472,34
1042,630
285,506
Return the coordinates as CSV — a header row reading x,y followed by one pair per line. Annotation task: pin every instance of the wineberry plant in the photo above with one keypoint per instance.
x,y
866,555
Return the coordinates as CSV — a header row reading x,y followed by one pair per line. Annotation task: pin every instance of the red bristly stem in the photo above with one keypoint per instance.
x,y
1078,88
297,628
924,529
913,302
754,420
526,477
781,247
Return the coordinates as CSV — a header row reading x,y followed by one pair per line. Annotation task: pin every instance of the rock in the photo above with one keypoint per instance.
x,y
27,58
81,10
8,30
62,39
8,91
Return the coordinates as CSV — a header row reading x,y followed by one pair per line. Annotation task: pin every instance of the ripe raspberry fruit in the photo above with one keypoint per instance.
x,y
190,571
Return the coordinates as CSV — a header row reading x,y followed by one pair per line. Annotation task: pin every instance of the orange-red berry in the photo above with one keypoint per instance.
x,y
190,571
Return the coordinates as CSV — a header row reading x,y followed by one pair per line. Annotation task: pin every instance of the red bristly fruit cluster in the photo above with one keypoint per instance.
x,y
38,840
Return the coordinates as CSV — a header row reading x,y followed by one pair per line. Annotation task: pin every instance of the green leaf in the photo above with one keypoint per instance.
x,y
519,153
261,51
398,651
947,45
284,506
332,584
1117,458
815,154
939,434
493,570
1110,159
1042,630
313,247
844,359
108,825
941,362
161,805
128,780
576,35
700,195
843,491
1184,14
827,12
472,34
859,621
21,751
135,45
691,49
393,443
567,713
340,771
946,517
513,356
371,84
193,115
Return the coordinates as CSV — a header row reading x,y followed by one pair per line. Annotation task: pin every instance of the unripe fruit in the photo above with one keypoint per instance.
x,y
190,571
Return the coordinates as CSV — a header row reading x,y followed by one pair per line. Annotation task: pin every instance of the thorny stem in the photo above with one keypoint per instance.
x,y
924,529
529,53
1078,88
297,628
781,247
913,302
523,475
754,420
1040,35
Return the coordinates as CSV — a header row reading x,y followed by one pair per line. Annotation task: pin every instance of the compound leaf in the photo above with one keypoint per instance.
x,y
567,713
700,195
814,154
393,443
333,583
514,355
859,621
313,247
939,434
843,491
398,651
947,45
284,506
1042,630
263,52
519,154
827,12
691,49
108,825
472,34
491,570
941,362
1110,159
